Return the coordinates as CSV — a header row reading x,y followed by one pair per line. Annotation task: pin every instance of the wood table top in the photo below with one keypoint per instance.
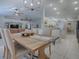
x,y
33,43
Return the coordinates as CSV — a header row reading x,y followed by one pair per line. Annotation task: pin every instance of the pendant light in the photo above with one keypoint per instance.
x,y
31,3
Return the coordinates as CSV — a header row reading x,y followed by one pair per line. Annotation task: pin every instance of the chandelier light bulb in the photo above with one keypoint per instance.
x,y
31,4
38,3
25,1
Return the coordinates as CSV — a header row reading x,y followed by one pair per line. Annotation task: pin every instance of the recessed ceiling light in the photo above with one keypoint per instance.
x,y
57,13
31,4
76,8
75,2
55,8
50,4
25,1
61,1
38,3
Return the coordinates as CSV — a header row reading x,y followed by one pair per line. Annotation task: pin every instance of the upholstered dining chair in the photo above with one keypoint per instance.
x,y
55,35
5,54
15,51
46,32
35,30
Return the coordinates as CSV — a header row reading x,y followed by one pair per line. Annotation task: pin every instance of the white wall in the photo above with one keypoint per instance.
x,y
1,21
36,21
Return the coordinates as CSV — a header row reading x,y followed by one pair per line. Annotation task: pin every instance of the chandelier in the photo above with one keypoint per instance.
x,y
32,4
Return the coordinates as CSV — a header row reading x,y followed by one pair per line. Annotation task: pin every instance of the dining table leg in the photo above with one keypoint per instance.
x,y
42,54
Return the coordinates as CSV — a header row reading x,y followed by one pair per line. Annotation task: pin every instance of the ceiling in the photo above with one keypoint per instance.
x,y
51,8
62,8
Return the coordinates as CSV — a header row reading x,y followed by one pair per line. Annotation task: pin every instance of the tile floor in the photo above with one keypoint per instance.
x,y
67,48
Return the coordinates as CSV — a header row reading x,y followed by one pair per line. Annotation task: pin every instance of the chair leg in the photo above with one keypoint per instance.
x,y
50,49
6,53
31,56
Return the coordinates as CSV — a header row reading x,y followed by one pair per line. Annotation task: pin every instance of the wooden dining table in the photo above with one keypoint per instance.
x,y
33,43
